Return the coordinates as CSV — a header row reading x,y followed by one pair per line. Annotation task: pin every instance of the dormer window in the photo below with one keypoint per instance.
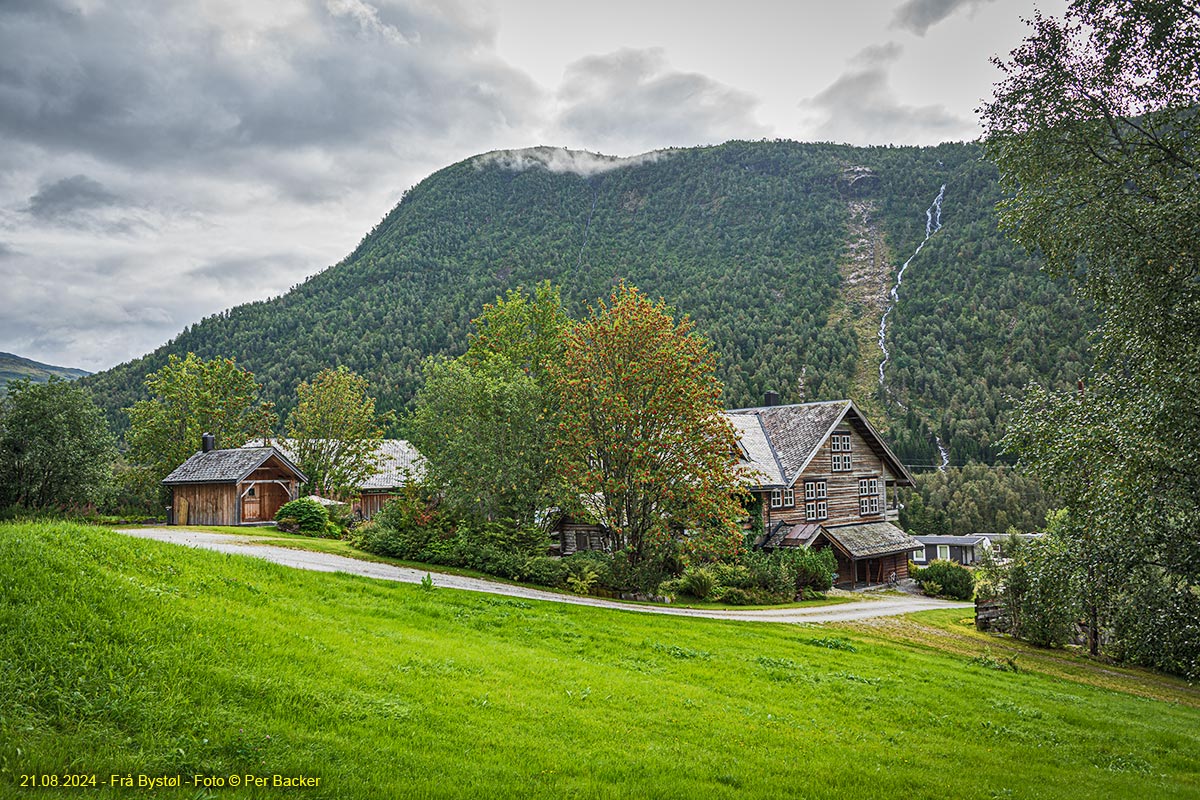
x,y
839,443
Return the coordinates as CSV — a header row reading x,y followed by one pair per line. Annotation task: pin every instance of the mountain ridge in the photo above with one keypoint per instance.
x,y
14,367
755,240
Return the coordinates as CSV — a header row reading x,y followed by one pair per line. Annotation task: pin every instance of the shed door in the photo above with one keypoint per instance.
x,y
251,505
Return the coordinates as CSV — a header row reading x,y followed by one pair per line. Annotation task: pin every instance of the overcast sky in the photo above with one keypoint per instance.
x,y
161,161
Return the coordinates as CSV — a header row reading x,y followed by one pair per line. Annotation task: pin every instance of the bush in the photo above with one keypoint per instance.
x,y
310,517
944,579
698,582
813,569
1042,595
402,528
544,571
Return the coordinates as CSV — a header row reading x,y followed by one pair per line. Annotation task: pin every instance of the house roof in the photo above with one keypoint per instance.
x,y
398,462
976,539
871,539
758,462
794,433
228,466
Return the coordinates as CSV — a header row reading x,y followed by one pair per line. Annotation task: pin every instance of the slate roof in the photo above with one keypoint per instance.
x,y
793,434
872,539
399,462
226,466
977,539
758,462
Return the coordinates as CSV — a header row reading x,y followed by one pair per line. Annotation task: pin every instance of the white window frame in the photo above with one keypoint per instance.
x,y
816,510
943,548
816,490
776,498
868,496
921,555
789,497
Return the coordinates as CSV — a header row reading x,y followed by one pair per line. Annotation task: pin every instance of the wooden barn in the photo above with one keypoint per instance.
x,y
241,486
397,464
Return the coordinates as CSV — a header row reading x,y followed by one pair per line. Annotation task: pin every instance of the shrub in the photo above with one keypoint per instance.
x,y
595,562
401,529
814,569
944,578
310,516
698,582
544,571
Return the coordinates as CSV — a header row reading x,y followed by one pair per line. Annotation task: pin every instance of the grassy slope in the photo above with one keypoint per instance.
x,y
121,655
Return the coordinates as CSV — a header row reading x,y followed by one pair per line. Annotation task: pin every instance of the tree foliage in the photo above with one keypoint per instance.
x,y
960,501
641,438
56,450
1096,133
745,237
336,432
483,420
190,397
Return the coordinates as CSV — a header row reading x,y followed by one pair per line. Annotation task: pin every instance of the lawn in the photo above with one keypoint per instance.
x,y
125,656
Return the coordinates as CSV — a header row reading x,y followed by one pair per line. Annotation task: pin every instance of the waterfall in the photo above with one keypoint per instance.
x,y
933,224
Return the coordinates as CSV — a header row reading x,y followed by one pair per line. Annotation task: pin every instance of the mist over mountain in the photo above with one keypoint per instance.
x,y
785,254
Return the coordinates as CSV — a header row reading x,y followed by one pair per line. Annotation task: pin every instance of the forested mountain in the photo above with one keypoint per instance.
x,y
15,368
784,254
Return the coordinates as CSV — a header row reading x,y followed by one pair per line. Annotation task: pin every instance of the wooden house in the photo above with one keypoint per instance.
x,y
241,486
826,479
397,463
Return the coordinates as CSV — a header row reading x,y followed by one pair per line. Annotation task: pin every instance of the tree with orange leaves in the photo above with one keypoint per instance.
x,y
641,440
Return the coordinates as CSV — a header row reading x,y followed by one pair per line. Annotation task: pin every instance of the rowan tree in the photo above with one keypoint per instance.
x,y
336,432
641,441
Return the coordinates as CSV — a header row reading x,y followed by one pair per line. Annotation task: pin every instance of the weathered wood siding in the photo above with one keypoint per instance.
x,y
842,486
371,502
208,503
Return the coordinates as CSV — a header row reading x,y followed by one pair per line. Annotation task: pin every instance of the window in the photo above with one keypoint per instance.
x,y
944,552
789,497
776,498
920,555
868,496
816,510
839,443
816,490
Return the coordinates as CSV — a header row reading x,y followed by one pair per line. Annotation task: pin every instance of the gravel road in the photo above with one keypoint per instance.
x,y
866,608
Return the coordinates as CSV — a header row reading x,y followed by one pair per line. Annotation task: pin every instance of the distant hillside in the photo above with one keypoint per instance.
x,y
15,368
784,253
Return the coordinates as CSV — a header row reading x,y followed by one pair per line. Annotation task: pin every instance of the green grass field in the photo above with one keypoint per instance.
x,y
122,656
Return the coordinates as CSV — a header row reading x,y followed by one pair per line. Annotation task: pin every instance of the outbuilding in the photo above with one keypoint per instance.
x,y
239,486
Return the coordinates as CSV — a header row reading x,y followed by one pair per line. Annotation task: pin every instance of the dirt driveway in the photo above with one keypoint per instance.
x,y
866,608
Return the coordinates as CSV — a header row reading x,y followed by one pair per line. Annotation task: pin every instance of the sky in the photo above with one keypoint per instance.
x,y
163,161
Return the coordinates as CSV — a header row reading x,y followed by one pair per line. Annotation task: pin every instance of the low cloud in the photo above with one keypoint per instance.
x,y
918,16
861,108
560,159
632,100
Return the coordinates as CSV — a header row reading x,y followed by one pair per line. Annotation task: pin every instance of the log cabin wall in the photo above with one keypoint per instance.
x,y
208,503
371,502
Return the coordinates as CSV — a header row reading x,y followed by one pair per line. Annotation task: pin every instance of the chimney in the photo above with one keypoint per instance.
x,y
208,442
771,398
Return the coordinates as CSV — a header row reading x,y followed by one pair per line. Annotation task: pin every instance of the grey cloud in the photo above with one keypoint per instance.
x,y
918,16
608,98
6,251
153,85
859,106
66,196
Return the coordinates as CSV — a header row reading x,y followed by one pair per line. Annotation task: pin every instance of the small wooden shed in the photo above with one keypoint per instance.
x,y
242,486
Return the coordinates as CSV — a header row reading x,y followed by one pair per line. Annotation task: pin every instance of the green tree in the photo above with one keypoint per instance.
x,y
642,444
56,450
1095,130
483,420
336,432
191,397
